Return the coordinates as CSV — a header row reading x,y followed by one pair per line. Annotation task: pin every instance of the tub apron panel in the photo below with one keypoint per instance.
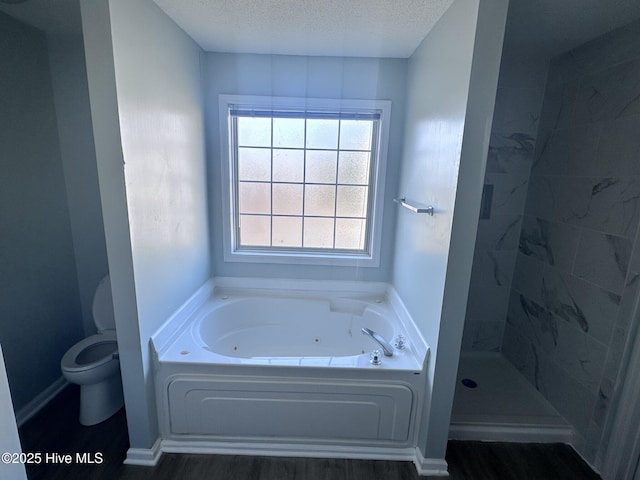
x,y
268,408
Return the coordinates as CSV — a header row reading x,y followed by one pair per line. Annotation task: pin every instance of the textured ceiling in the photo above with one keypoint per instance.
x,y
352,27
369,28
383,27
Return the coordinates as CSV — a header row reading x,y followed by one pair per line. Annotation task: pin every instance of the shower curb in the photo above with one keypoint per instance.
x,y
512,433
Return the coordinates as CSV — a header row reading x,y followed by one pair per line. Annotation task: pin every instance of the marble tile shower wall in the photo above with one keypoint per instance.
x,y
577,266
511,150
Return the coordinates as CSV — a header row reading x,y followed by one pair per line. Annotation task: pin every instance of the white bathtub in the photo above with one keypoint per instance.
x,y
281,367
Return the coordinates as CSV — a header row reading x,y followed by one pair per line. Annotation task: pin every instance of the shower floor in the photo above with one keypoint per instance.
x,y
504,406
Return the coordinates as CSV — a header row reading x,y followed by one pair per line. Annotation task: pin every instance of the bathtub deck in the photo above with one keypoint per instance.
x,y
504,406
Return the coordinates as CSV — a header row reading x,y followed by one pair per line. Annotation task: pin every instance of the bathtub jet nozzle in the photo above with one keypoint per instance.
x,y
386,347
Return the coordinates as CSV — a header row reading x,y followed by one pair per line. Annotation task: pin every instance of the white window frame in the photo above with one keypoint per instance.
x,y
371,258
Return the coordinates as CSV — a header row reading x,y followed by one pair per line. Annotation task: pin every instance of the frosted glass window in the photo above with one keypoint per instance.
x,y
322,133
321,166
288,165
288,132
254,197
301,180
318,232
355,134
256,230
254,164
287,199
354,167
287,232
351,201
254,132
319,200
350,233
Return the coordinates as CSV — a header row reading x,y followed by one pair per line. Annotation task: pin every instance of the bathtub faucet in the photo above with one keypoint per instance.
x,y
386,348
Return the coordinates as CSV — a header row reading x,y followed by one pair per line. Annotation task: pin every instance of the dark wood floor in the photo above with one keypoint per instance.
x,y
56,430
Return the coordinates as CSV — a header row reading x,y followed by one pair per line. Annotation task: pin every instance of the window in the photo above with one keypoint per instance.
x,y
304,179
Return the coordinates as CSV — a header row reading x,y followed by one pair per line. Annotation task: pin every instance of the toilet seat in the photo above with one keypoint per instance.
x,y
69,360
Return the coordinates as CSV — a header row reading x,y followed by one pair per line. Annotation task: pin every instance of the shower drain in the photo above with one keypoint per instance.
x,y
467,382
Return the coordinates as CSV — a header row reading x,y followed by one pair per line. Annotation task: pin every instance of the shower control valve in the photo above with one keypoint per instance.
x,y
400,342
375,358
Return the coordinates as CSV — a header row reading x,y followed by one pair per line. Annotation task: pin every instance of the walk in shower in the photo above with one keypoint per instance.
x,y
557,260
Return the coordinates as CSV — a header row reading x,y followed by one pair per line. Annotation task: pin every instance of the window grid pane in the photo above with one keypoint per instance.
x,y
315,197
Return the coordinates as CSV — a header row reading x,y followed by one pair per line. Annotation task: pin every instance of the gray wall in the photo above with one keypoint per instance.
x,y
312,77
71,95
39,300
578,264
513,139
451,86
146,103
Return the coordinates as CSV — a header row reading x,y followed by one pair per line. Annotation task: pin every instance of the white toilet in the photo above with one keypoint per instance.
x,y
93,363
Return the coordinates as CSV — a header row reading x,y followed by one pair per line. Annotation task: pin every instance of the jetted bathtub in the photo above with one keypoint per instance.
x,y
281,367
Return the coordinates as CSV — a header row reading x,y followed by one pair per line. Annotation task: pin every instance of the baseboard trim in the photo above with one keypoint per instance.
x,y
39,401
150,457
147,457
436,467
512,433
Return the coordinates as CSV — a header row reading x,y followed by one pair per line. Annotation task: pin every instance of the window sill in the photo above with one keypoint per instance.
x,y
295,258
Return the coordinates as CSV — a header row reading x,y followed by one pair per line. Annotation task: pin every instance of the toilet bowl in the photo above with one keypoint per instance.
x,y
93,363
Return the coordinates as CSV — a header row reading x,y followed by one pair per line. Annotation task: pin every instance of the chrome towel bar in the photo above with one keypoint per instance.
x,y
403,203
